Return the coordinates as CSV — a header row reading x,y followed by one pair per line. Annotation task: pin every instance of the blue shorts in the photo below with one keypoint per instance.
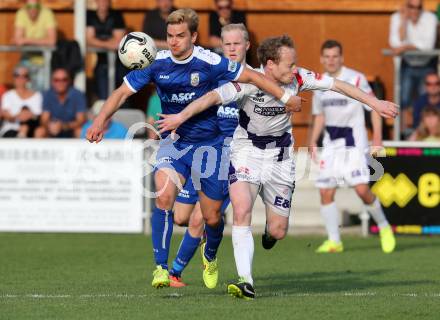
x,y
201,162
189,195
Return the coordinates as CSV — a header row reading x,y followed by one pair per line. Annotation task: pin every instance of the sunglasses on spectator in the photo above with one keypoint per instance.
x,y
410,6
60,79
33,6
437,83
21,75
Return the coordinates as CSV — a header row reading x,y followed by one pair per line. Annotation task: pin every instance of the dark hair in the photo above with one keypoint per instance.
x,y
269,49
329,44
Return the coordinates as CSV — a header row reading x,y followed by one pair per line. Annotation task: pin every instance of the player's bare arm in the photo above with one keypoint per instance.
x,y
292,103
171,122
386,109
111,105
317,127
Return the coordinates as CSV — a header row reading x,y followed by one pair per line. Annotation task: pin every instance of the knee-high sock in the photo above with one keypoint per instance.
x,y
243,244
214,236
161,231
331,218
186,251
375,209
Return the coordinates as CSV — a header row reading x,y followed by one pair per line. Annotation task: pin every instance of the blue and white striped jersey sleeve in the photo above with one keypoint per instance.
x,y
137,79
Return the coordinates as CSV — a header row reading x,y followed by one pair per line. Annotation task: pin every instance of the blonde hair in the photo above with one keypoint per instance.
x,y
236,26
188,16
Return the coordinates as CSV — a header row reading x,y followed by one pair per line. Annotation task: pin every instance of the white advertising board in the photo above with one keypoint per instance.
x,y
68,185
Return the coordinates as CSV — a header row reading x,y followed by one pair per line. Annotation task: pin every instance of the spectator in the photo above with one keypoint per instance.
x,y
21,107
35,25
153,108
431,97
155,22
223,15
413,28
105,29
64,108
429,128
113,129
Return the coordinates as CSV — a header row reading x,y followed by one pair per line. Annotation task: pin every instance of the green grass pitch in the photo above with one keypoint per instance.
x,y
101,276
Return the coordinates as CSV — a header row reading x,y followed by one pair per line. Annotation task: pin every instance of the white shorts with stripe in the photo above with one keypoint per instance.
x,y
273,170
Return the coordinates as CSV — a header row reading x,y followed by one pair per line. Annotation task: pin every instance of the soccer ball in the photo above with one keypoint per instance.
x,y
137,50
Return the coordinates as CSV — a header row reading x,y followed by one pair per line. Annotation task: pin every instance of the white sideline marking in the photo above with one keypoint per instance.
x,y
181,295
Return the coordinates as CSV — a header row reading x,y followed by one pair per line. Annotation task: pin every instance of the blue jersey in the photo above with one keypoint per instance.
x,y
227,117
179,82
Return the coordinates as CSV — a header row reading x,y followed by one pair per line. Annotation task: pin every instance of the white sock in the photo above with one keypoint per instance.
x,y
243,244
331,218
375,209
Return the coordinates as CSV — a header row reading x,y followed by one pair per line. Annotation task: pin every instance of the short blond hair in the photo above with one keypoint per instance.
x,y
188,16
236,26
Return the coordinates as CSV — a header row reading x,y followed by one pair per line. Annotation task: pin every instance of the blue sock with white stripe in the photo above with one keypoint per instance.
x,y
161,231
214,236
187,249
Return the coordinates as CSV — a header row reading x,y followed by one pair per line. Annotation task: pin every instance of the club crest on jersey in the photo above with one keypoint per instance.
x,y
195,79
232,66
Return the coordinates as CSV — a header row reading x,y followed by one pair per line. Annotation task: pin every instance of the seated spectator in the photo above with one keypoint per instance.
x,y
112,129
153,108
35,25
429,128
155,22
431,97
21,107
223,15
105,29
413,28
64,108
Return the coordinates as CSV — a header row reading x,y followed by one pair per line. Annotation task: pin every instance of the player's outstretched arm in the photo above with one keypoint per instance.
x,y
293,103
317,127
170,122
111,105
386,109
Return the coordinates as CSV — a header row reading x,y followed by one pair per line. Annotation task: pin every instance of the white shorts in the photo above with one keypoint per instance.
x,y
342,166
261,167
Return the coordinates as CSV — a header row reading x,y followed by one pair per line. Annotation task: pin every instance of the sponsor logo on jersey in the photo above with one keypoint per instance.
x,y
227,112
269,111
180,97
163,76
334,102
195,79
232,66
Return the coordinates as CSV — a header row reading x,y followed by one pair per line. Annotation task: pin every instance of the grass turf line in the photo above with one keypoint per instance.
x,y
102,276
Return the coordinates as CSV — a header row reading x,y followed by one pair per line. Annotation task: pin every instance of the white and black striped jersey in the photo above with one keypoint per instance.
x,y
344,117
262,118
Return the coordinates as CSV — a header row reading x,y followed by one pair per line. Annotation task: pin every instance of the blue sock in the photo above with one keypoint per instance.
x,y
187,249
161,231
213,238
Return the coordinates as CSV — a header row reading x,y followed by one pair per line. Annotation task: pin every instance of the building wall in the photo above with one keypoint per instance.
x,y
361,26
